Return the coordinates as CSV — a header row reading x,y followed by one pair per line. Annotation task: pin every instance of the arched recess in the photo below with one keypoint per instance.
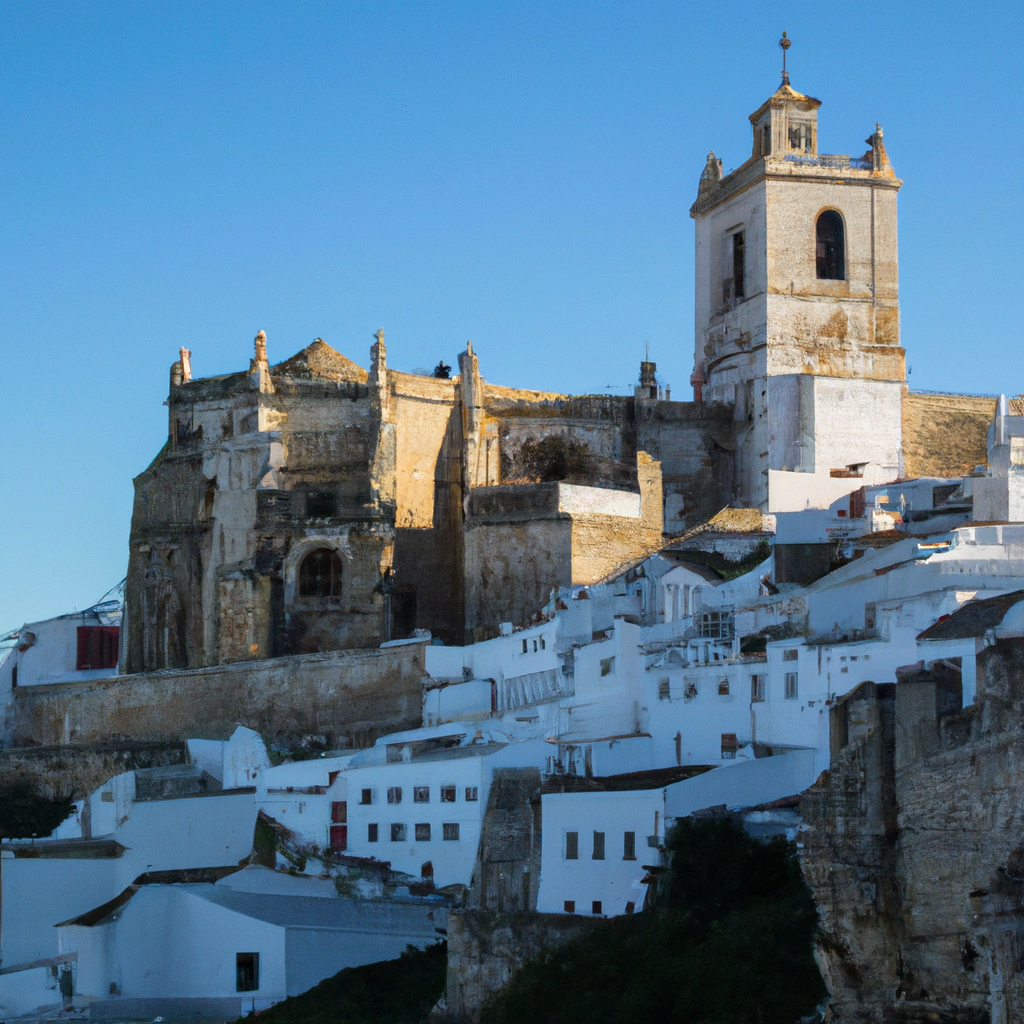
x,y
317,573
830,246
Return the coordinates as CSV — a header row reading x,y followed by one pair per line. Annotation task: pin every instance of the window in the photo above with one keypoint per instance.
x,y
598,846
757,688
371,833
607,666
247,972
423,832
729,746
716,625
320,574
321,505
427,869
572,846
525,647
394,794
792,654
569,906
366,797
723,688
791,686
339,812
629,846
447,794
421,794
596,907
450,831
471,793
664,689
737,265
543,645
830,250
397,832
535,645
97,647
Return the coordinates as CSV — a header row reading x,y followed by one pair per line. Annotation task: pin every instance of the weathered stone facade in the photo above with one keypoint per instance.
x,y
372,476
916,850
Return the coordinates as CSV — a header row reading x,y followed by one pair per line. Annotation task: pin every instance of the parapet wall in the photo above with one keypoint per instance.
x,y
343,698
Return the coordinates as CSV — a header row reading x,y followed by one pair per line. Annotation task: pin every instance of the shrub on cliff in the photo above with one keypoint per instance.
x,y
728,941
401,991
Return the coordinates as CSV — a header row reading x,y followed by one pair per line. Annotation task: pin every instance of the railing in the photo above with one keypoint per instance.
x,y
830,160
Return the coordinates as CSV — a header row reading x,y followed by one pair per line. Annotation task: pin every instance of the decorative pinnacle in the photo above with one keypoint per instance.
x,y
785,42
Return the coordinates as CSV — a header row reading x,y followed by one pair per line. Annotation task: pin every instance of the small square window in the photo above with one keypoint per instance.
x,y
471,793
423,832
366,797
607,666
247,972
790,654
598,846
394,794
595,907
397,833
371,833
572,845
569,906
723,688
421,795
447,794
450,829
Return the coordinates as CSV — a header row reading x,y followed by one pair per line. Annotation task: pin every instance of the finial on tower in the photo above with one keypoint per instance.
x,y
785,42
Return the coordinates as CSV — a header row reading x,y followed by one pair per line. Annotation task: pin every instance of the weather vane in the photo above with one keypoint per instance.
x,y
785,42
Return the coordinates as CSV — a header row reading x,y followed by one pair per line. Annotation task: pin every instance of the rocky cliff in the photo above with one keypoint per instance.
x,y
915,850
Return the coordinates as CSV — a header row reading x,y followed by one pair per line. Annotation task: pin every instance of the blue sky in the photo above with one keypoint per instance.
x,y
518,174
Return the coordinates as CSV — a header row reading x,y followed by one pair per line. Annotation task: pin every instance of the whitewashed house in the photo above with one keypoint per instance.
x,y
216,951
601,836
67,649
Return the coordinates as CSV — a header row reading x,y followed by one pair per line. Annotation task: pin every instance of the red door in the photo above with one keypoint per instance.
x,y
339,838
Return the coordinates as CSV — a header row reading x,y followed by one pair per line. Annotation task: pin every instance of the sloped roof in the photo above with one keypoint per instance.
x,y
319,361
973,619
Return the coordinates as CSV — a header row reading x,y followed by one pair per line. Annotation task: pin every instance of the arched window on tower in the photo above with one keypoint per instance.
x,y
831,247
320,574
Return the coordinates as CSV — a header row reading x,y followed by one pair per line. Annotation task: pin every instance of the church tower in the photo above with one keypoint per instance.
x,y
797,309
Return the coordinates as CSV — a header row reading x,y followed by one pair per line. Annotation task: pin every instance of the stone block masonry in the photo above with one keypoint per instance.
x,y
347,698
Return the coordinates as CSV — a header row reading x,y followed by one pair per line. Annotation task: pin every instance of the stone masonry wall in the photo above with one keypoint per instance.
x,y
348,698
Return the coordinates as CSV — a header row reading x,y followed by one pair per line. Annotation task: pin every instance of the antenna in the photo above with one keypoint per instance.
x,y
647,351
785,42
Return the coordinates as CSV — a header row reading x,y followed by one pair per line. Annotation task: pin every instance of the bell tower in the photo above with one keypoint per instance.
x,y
797,309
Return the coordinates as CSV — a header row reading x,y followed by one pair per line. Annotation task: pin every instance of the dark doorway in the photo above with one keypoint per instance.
x,y
403,611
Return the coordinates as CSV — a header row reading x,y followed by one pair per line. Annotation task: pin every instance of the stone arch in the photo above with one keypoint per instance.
x,y
300,551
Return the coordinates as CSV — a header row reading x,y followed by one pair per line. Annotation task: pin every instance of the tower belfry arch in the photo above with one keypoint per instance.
x,y
796,321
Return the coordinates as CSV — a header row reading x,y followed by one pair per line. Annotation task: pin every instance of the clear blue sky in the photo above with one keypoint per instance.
x,y
518,174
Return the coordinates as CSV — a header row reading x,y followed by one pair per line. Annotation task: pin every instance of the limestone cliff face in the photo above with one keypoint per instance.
x,y
915,850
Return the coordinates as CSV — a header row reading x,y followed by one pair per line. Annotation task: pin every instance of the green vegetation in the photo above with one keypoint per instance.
x,y
721,566
24,814
729,941
401,991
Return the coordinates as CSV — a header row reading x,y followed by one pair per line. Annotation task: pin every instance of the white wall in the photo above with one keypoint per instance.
x,y
585,880
167,942
23,992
